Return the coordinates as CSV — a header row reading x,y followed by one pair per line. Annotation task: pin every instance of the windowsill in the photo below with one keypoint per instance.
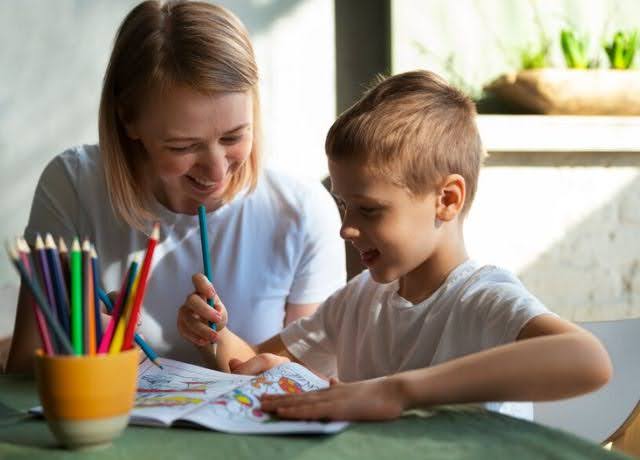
x,y
559,133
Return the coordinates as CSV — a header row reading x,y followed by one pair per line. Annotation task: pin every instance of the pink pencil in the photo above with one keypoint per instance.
x,y
117,308
25,255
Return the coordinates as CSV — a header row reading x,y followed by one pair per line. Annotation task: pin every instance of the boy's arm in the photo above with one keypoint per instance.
x,y
552,359
235,355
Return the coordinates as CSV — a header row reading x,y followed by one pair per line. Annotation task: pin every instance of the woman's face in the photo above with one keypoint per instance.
x,y
195,143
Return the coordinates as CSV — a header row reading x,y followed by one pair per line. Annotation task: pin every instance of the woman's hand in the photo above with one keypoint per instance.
x,y
257,364
196,314
368,400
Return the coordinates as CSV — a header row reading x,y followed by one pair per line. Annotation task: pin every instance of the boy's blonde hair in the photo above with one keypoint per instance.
x,y
414,129
158,45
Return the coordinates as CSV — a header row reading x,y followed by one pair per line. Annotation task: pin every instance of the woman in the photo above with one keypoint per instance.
x,y
179,126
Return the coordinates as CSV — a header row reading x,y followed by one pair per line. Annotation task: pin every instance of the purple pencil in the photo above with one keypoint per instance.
x,y
45,277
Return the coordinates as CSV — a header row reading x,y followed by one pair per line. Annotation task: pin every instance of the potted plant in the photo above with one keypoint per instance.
x,y
582,88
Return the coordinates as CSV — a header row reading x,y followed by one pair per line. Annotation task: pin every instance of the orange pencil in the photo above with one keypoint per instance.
x,y
88,301
142,285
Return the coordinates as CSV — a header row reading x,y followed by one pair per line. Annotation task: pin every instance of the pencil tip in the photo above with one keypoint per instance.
x,y
86,246
94,254
49,242
11,250
155,234
39,242
62,245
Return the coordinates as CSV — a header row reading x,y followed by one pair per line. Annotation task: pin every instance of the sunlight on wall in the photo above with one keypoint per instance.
x,y
52,72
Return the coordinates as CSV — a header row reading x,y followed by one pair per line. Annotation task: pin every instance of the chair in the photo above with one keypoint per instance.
x,y
610,413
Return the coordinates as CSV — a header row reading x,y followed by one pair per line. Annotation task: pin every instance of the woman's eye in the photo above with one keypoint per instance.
x,y
181,149
230,139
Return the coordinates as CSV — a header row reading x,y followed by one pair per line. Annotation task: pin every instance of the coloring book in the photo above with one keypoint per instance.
x,y
186,394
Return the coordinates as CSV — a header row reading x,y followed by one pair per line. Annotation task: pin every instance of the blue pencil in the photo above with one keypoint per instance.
x,y
206,257
59,284
139,340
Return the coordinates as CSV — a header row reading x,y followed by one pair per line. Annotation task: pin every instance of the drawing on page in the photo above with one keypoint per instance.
x,y
243,403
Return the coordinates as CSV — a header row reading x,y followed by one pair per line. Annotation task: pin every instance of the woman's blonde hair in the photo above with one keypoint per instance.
x,y
158,45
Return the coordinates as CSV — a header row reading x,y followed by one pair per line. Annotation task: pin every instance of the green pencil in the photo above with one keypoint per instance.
x,y
76,297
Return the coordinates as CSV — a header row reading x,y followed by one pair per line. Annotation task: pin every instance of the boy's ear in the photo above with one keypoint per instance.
x,y
451,197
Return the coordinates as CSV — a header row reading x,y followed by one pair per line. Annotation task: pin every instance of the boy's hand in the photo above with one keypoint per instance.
x,y
194,316
257,364
369,400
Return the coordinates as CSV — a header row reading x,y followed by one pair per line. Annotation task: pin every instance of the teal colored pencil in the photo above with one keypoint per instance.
x,y
76,297
206,258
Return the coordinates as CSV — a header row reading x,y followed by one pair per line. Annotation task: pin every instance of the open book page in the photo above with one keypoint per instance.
x,y
238,411
165,395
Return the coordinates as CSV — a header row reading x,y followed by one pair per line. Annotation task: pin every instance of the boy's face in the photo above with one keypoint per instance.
x,y
394,231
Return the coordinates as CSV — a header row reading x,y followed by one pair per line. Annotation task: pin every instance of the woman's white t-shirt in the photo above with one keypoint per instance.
x,y
367,330
278,244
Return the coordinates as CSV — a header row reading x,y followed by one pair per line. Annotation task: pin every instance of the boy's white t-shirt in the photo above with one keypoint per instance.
x,y
367,330
278,244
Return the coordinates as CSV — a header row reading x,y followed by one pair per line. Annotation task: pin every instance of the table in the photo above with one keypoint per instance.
x,y
450,433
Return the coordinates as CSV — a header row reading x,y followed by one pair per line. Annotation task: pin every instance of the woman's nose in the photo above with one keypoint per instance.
x,y
214,161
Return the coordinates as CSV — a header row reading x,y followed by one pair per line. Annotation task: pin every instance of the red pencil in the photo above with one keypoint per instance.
x,y
142,285
25,255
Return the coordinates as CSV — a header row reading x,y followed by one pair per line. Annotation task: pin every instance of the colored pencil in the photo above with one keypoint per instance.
x,y
59,285
142,285
151,354
32,284
25,257
76,297
88,301
96,300
64,263
206,256
43,274
115,313
118,336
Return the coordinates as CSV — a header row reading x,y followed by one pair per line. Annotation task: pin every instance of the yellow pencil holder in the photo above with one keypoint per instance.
x,y
87,399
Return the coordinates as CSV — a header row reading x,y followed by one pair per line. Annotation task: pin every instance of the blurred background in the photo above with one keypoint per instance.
x,y
558,198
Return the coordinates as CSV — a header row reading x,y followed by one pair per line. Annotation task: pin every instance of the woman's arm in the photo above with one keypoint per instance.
x,y
552,359
25,337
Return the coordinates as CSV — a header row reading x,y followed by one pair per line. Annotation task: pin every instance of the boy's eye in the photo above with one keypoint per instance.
x,y
366,211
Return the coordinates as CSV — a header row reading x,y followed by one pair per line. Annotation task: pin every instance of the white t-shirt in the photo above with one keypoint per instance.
x,y
278,244
367,330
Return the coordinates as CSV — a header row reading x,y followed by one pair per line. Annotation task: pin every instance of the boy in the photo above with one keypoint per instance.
x,y
424,325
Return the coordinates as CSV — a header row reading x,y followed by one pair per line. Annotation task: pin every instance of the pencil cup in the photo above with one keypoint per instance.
x,y
87,399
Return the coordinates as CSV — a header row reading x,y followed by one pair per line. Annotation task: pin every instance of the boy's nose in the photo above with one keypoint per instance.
x,y
348,232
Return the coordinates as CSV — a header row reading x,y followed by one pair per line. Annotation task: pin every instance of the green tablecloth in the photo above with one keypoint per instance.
x,y
449,434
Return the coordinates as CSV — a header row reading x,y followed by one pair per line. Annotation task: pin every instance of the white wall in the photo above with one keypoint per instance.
x,y
52,60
